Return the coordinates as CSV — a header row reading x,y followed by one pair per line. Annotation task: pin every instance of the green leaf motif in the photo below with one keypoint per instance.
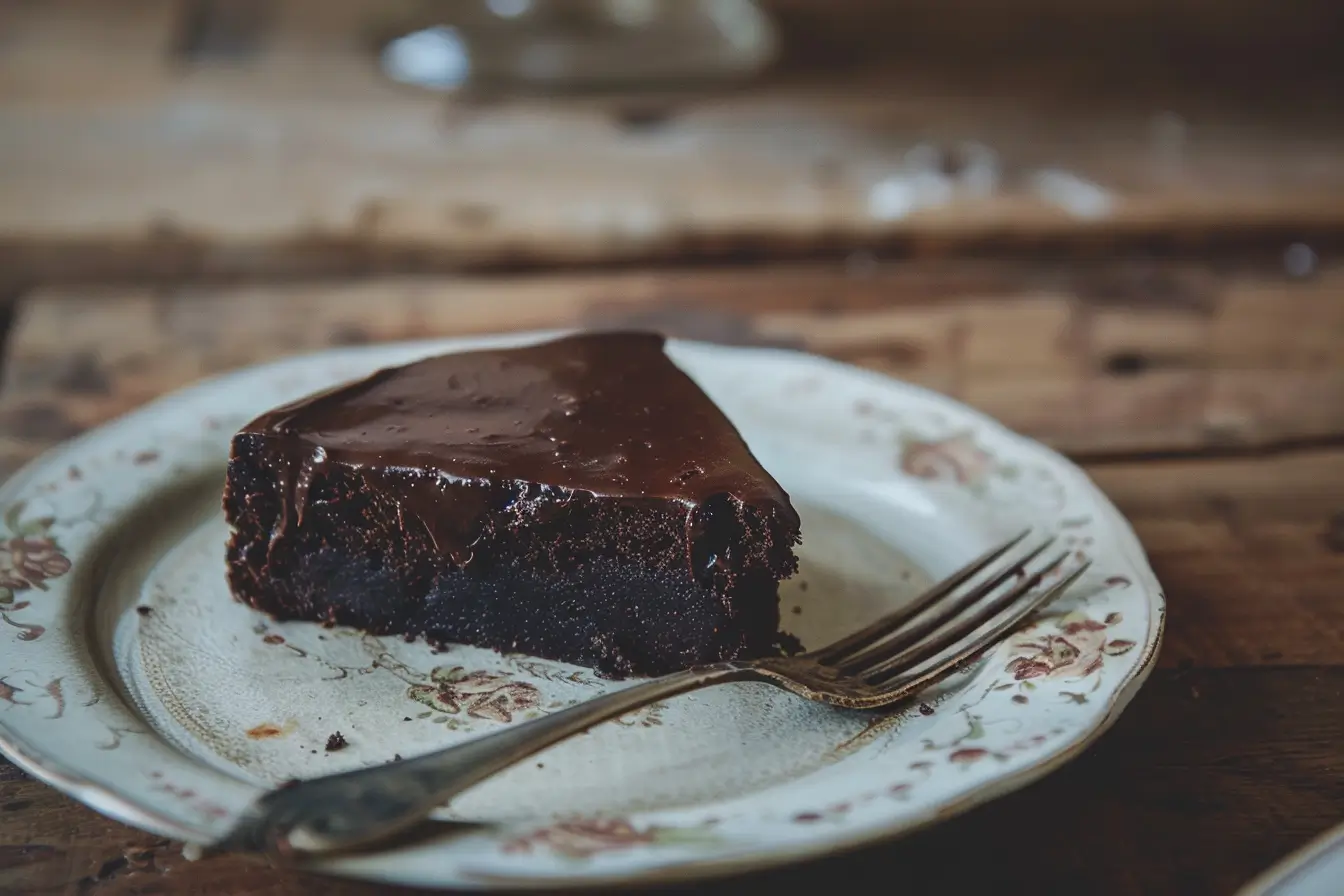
x,y
13,514
428,695
6,596
977,730
447,674
33,528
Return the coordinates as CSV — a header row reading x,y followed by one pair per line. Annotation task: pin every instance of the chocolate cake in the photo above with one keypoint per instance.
x,y
580,500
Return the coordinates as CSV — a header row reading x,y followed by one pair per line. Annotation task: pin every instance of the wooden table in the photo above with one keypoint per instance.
x,y
1183,340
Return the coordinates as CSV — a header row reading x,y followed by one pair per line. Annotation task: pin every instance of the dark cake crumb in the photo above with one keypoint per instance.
x,y
788,644
337,742
526,500
144,611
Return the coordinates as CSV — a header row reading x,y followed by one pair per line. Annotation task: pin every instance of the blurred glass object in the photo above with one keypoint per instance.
x,y
572,45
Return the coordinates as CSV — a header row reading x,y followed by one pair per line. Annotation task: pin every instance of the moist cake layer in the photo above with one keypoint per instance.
x,y
581,500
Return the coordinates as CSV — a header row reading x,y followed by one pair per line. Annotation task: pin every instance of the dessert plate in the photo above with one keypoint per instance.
x,y
130,679
1316,869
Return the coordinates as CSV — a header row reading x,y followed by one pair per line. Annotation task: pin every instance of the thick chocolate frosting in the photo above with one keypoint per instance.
x,y
603,413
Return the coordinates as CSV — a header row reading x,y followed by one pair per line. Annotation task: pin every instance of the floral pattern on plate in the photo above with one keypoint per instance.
x,y
669,792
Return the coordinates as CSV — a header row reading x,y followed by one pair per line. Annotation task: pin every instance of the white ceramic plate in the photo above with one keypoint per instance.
x,y
1316,869
130,680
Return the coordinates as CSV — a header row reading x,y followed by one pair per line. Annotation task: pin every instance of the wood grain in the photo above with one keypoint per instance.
x,y
124,157
1208,778
1094,360
1227,759
1249,548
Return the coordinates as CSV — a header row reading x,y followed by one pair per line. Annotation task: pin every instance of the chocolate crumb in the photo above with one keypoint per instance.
x,y
144,611
337,742
581,384
925,709
788,644
541,765
405,718
396,757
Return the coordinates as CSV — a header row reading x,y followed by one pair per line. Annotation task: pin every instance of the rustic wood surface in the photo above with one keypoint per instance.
x,y
146,137
1115,225
1227,760
1095,359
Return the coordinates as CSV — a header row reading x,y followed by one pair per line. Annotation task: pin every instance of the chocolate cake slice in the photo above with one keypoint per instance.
x,y
581,500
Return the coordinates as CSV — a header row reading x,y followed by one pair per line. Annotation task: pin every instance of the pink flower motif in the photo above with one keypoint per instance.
x,y
28,562
582,838
484,695
955,459
1075,650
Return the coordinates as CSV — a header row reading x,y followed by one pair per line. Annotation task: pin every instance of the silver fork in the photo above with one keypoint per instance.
x,y
893,659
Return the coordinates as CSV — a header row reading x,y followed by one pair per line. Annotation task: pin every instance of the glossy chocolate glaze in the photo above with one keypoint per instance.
x,y
580,500
604,413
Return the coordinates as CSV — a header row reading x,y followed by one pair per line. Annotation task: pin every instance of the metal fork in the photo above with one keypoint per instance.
x,y
897,656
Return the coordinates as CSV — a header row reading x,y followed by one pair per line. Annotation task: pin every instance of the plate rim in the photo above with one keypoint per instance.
x,y
1270,882
125,809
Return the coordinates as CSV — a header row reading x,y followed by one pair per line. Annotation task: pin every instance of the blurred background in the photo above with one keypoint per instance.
x,y
1112,223
1115,225
266,137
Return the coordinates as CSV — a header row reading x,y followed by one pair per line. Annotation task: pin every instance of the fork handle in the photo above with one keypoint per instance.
x,y
362,807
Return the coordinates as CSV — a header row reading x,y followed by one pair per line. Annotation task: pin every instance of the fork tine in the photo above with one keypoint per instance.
x,y
903,652
889,623
910,680
941,613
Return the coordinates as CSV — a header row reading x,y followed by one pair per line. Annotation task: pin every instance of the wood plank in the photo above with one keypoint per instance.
x,y
119,159
1174,800
1250,553
1250,549
1094,360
